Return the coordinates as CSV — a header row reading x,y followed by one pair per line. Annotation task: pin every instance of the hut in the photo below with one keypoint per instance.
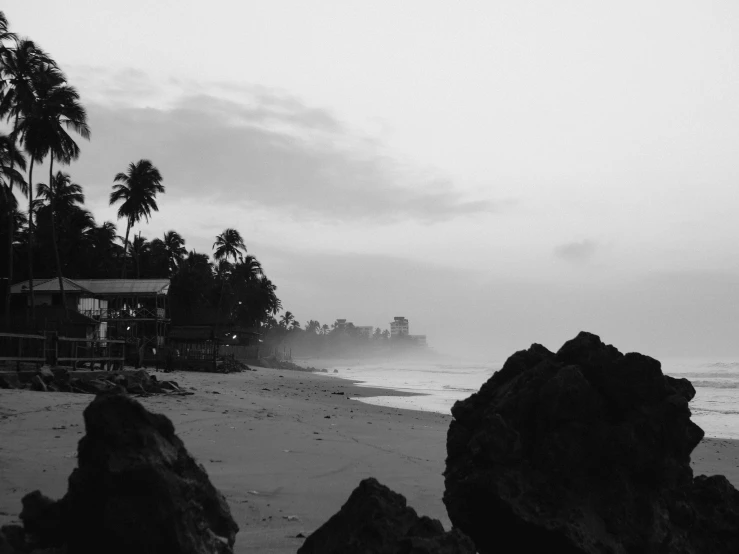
x,y
192,347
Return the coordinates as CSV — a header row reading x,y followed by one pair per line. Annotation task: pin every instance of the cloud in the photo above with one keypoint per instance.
x,y
254,146
576,252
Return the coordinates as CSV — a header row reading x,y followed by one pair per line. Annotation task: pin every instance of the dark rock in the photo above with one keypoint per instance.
x,y
168,386
137,489
60,373
46,374
37,384
136,388
94,386
9,382
585,450
376,520
42,519
13,539
119,379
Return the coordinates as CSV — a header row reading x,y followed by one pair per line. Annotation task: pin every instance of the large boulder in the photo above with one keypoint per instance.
x,y
376,520
585,450
136,489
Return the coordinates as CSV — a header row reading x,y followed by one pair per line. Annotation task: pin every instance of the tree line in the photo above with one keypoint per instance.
x,y
53,233
316,339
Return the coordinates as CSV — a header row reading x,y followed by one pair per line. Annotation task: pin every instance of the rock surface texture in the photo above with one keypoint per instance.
x,y
376,520
139,382
584,451
136,489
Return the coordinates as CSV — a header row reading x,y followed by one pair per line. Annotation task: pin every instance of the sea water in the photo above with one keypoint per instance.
x,y
439,384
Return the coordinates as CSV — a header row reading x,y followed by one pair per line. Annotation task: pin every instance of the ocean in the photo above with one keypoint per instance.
x,y
440,384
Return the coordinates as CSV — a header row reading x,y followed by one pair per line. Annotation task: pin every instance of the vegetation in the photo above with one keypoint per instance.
x,y
58,235
339,339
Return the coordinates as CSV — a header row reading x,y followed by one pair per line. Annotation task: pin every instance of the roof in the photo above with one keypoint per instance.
x,y
98,287
191,332
125,286
47,285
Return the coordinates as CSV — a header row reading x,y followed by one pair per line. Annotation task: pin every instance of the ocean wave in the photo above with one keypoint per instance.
x,y
726,365
708,411
715,384
460,389
704,375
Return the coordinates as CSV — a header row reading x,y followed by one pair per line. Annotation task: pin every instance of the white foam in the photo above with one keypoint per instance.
x,y
715,407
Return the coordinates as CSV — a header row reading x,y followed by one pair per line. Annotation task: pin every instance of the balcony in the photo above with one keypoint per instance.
x,y
127,314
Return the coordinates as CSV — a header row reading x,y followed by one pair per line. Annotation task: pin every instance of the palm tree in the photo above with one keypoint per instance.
x,y
139,248
286,319
66,193
174,245
5,34
102,241
137,190
23,70
9,176
229,244
60,111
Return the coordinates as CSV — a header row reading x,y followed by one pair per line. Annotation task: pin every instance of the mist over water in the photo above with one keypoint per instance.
x,y
438,384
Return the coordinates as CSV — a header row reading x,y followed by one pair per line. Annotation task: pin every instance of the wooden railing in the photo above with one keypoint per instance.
x,y
21,348
107,352
107,314
51,349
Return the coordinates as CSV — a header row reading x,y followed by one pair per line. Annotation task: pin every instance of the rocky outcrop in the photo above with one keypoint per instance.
x,y
139,382
584,451
136,489
376,520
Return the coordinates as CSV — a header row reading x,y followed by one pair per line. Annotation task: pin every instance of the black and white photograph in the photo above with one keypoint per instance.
x,y
369,277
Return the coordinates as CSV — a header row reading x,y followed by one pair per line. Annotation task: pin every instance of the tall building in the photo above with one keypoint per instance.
x,y
399,327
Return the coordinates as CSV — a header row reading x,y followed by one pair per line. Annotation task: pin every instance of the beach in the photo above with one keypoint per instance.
x,y
285,447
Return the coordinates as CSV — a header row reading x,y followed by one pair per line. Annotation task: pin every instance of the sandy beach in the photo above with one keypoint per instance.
x,y
285,447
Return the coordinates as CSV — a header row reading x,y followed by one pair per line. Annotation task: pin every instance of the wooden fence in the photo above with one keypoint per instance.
x,y
108,353
17,349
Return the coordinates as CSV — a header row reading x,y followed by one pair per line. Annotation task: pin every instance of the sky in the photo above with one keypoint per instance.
x,y
500,173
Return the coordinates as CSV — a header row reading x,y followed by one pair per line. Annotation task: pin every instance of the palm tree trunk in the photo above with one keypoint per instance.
x,y
10,258
53,235
125,248
32,302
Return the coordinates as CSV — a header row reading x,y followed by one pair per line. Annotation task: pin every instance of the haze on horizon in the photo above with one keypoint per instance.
x,y
499,173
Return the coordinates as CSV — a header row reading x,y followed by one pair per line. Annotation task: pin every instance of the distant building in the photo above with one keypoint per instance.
x,y
420,340
398,327
365,330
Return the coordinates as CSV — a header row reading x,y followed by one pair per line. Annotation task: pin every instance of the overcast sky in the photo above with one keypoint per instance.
x,y
500,173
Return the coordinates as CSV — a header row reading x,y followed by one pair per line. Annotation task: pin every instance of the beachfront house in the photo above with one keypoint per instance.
x,y
134,310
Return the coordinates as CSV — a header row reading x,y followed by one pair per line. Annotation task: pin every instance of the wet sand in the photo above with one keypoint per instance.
x,y
276,443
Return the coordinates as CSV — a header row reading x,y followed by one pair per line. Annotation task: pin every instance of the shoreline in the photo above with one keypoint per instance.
x,y
276,443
